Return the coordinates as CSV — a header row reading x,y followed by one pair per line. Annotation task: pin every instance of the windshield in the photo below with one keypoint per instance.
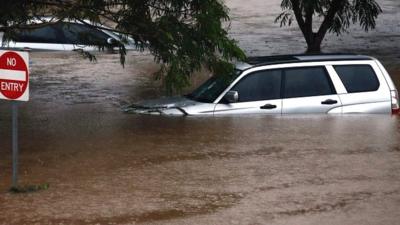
x,y
212,88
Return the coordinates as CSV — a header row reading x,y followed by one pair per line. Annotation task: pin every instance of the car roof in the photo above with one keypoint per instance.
x,y
280,59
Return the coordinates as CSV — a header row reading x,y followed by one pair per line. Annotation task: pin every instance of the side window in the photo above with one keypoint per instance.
x,y
45,34
358,78
81,34
309,81
263,85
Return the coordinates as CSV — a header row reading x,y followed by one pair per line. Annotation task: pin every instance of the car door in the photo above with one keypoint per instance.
x,y
258,92
309,90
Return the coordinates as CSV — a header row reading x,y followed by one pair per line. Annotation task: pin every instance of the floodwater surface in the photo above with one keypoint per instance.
x,y
107,167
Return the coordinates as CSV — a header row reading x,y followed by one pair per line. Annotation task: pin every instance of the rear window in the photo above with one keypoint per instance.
x,y
305,82
358,78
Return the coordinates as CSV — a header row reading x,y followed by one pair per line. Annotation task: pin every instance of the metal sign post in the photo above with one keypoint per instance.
x,y
14,143
14,86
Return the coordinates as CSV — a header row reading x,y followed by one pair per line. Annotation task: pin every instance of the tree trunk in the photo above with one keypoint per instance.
x,y
314,43
313,48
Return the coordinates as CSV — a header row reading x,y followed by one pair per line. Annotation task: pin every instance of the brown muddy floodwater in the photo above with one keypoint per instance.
x,y
107,167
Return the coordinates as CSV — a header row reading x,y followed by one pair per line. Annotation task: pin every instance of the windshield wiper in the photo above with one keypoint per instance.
x,y
205,100
189,96
199,99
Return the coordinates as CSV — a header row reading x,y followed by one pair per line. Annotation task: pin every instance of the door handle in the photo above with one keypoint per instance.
x,y
329,102
268,106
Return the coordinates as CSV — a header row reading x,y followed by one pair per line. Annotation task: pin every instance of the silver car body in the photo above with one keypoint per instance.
x,y
128,41
379,101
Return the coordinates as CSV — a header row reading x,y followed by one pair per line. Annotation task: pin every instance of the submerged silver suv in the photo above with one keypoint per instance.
x,y
301,84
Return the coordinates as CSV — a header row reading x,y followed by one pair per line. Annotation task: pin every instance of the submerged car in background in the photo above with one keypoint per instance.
x,y
294,84
66,36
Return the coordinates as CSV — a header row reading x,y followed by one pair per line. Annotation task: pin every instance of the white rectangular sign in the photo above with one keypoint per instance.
x,y
12,75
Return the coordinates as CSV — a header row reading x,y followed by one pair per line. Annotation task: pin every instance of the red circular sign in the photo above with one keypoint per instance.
x,y
14,75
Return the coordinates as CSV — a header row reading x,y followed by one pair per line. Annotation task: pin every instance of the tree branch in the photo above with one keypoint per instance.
x,y
329,18
298,14
309,11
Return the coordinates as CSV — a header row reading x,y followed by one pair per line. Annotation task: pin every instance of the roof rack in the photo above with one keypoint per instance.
x,y
279,59
270,59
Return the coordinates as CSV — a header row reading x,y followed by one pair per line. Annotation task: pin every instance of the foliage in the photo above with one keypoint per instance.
x,y
29,188
183,35
337,16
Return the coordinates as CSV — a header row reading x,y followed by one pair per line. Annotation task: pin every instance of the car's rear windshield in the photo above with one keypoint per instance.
x,y
358,78
213,87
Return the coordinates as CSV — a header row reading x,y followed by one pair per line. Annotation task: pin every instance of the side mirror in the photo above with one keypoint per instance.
x,y
232,96
111,41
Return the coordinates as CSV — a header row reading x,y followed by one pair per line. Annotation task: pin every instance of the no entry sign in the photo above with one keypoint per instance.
x,y
14,75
